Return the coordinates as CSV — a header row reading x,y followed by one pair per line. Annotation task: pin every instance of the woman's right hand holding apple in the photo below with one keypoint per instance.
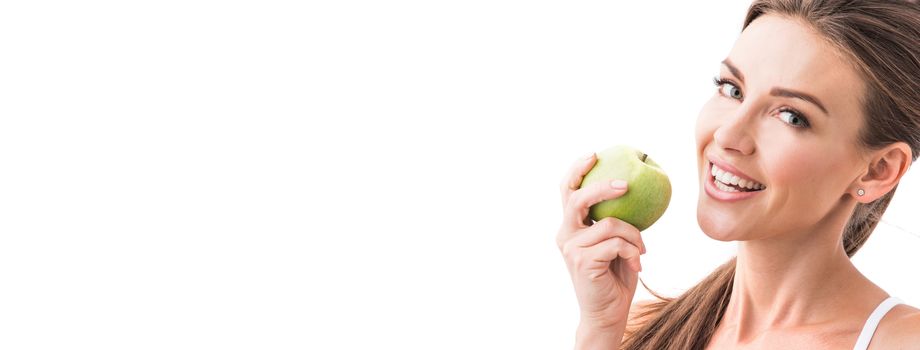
x,y
602,258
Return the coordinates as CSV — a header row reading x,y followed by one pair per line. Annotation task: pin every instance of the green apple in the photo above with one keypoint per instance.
x,y
648,193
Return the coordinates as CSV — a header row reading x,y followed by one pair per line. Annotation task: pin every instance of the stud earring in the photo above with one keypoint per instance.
x,y
860,192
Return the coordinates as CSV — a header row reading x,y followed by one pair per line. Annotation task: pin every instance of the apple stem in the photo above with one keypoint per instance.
x,y
644,156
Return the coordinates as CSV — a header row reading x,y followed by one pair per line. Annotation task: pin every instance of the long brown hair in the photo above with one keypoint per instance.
x,y
881,39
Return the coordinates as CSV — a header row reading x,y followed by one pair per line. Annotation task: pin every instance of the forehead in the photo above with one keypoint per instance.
x,y
777,51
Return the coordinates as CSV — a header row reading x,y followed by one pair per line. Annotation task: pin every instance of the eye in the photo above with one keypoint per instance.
x,y
727,88
788,115
793,118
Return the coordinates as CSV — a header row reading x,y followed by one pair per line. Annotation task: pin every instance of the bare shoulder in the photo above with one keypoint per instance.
x,y
899,329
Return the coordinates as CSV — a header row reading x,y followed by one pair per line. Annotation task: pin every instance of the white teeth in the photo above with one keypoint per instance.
x,y
725,177
723,187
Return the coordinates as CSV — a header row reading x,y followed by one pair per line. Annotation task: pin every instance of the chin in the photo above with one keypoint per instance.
x,y
719,227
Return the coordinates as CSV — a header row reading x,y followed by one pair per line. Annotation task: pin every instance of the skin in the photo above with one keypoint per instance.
x,y
794,285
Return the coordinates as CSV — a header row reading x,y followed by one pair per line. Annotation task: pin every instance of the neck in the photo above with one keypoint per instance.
x,y
790,281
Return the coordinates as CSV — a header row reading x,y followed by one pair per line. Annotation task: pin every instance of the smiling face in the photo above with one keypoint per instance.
x,y
806,156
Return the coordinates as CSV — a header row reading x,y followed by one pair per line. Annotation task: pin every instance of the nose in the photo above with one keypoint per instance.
x,y
735,133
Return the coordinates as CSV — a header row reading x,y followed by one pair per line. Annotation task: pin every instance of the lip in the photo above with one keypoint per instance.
x,y
718,194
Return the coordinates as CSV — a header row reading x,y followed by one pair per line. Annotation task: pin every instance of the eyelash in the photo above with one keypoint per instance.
x,y
719,82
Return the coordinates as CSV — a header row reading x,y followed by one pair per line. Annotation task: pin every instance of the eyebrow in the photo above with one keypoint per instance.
x,y
776,91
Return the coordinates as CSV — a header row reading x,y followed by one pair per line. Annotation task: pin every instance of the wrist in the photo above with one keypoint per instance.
x,y
601,322
598,336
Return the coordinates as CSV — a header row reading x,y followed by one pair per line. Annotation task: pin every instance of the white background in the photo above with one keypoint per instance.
x,y
342,174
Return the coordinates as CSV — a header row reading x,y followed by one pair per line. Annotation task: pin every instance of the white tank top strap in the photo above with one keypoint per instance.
x,y
862,343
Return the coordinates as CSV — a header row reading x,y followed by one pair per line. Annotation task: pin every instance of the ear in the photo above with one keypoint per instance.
x,y
884,171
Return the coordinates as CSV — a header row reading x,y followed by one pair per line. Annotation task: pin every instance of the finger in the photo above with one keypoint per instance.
x,y
576,212
606,229
573,178
607,251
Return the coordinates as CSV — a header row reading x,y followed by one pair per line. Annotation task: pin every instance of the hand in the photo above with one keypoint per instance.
x,y
602,257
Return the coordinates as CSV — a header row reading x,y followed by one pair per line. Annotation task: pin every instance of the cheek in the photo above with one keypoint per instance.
x,y
807,171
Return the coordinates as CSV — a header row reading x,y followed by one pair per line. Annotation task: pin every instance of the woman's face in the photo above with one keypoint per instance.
x,y
806,156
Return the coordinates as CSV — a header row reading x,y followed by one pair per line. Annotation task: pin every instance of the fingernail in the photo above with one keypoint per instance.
x,y
618,184
589,156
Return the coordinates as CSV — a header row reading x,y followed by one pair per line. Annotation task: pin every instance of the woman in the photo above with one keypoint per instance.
x,y
815,119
